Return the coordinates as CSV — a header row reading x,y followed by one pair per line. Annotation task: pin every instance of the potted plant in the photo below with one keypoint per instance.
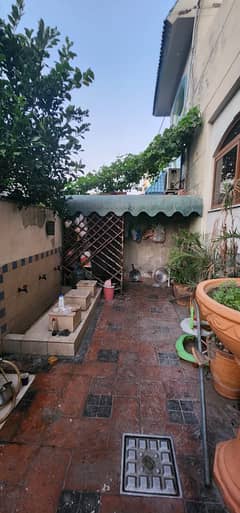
x,y
219,304
188,264
217,300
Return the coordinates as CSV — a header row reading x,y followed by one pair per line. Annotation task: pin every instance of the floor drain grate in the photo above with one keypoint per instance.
x,y
149,466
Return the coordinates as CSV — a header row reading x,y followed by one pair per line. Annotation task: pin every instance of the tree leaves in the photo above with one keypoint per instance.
x,y
40,130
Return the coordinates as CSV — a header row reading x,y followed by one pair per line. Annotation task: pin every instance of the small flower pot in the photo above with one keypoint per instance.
x,y
226,375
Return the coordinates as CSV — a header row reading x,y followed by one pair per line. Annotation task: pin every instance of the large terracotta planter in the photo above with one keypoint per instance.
x,y
224,321
227,472
226,375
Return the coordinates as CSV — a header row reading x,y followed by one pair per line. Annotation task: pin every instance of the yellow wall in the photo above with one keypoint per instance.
x,y
26,252
22,232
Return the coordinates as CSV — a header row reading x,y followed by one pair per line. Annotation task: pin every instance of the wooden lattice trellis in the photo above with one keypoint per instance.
x,y
104,241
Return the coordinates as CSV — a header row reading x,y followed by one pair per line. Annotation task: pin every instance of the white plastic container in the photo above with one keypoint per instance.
x,y
61,302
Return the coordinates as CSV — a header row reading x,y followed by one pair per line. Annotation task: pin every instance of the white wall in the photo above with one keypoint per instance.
x,y
147,255
214,72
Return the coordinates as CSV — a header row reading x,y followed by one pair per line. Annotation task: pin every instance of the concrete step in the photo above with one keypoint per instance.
x,y
38,340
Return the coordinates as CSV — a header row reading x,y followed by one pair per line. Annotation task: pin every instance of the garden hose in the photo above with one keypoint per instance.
x,y
181,351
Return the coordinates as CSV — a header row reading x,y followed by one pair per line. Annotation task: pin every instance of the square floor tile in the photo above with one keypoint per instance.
x,y
155,309
108,355
176,416
195,507
119,308
98,406
190,418
180,411
173,404
113,327
74,501
169,359
215,508
186,405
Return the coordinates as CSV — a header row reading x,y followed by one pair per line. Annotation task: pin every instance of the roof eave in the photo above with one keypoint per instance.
x,y
175,47
151,204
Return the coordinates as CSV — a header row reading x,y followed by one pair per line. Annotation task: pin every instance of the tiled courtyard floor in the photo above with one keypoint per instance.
x,y
66,434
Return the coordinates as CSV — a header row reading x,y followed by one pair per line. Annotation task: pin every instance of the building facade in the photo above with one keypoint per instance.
x,y
200,66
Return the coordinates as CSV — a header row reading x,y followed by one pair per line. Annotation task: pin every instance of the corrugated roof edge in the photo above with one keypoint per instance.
x,y
165,34
135,204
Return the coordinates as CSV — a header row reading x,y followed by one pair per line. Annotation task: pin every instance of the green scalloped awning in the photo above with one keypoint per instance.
x,y
135,204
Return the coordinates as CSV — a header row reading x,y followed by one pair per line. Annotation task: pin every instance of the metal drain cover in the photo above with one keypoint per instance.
x,y
149,466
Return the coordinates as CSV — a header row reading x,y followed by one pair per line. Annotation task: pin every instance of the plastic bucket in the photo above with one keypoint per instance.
x,y
108,293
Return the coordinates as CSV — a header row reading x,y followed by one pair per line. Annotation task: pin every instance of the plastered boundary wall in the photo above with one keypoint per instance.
x,y
26,253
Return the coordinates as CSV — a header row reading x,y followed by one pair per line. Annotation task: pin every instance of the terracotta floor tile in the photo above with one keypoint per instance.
x,y
10,472
152,388
44,481
74,396
72,433
125,388
101,472
53,446
125,504
151,410
9,497
36,418
100,369
127,372
175,388
125,411
55,380
103,385
61,368
11,427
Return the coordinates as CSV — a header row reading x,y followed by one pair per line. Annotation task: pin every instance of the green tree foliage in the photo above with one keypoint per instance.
x,y
127,171
40,128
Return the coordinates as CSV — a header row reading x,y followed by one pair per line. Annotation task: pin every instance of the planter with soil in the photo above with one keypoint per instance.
x,y
225,322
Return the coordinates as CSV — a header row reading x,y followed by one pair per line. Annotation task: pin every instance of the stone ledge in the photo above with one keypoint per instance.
x,y
38,340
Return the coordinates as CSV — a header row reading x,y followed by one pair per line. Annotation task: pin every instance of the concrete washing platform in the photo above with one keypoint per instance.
x,y
38,339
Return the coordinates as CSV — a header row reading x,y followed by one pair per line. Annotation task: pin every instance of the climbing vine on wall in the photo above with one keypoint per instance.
x,y
127,171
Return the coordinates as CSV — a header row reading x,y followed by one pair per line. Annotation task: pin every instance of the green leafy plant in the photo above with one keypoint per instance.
x,y
188,260
225,247
228,294
40,128
126,172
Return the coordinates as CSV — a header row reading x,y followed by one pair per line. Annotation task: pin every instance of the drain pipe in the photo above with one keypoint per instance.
x,y
207,478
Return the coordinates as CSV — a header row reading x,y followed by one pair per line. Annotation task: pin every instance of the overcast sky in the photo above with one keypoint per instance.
x,y
120,40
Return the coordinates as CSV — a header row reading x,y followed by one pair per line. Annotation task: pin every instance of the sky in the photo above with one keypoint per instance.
x,y
120,41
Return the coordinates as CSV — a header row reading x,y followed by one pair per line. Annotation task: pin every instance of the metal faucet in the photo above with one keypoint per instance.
x,y
42,277
23,289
